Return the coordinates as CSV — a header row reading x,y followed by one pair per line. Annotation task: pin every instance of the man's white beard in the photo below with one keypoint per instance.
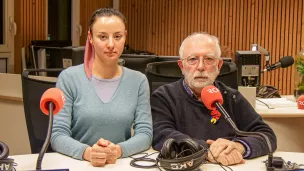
x,y
199,84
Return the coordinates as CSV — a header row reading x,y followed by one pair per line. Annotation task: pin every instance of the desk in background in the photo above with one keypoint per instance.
x,y
59,161
288,125
3,64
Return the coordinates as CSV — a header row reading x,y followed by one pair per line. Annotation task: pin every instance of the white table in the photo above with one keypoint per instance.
x,y
287,112
287,123
59,161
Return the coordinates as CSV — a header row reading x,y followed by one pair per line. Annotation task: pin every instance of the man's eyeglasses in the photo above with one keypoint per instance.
x,y
193,60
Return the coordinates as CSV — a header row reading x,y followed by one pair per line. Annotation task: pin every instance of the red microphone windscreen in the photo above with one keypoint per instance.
x,y
54,95
300,102
210,95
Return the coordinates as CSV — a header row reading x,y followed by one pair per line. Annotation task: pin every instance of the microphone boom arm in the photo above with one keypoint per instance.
x,y
48,137
242,133
256,47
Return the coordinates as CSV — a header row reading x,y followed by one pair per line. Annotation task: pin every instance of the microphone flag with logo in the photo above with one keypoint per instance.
x,y
209,96
300,102
51,102
55,96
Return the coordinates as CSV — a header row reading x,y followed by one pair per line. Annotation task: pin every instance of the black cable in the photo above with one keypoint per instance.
x,y
293,165
218,162
180,154
15,164
265,104
144,159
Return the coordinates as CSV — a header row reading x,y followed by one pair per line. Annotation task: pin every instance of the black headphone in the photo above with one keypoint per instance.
x,y
6,164
185,155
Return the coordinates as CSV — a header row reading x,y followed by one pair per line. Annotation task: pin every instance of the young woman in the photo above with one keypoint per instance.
x,y
103,99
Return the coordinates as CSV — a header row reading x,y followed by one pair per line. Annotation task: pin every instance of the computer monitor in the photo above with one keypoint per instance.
x,y
74,54
52,54
61,57
46,57
132,61
51,43
38,44
249,68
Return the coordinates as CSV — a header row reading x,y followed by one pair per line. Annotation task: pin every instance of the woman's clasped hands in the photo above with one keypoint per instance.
x,y
102,152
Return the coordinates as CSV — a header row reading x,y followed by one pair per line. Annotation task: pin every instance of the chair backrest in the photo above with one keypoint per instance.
x,y
32,89
167,58
159,73
137,62
229,75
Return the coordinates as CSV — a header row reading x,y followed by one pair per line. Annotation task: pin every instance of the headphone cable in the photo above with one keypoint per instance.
x,y
155,163
144,159
264,104
218,162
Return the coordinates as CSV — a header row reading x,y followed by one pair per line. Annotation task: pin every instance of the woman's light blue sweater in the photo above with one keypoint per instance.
x,y
85,118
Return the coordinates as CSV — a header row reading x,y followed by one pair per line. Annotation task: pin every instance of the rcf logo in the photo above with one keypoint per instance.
x,y
301,102
213,90
178,166
62,97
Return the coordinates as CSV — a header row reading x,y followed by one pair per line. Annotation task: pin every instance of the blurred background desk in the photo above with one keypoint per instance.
x,y
58,161
287,124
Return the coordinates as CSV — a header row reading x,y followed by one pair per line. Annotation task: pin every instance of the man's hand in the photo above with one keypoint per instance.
x,y
234,157
224,145
225,151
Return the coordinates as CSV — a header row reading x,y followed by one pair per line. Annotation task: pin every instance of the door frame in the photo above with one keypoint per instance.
x,y
10,29
76,27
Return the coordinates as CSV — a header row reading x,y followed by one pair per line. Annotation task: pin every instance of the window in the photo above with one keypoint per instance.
x,y
2,10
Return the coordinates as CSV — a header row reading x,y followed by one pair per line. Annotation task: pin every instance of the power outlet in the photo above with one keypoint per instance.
x,y
66,62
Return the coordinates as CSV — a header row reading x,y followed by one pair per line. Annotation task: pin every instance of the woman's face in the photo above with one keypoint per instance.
x,y
108,38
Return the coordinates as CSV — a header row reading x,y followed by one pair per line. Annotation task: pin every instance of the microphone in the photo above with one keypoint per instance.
x,y
51,102
286,61
213,99
300,102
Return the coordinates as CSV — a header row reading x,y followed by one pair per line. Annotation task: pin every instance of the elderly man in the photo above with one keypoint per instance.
x,y
178,112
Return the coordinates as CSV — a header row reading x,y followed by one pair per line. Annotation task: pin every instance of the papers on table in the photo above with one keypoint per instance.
x,y
277,102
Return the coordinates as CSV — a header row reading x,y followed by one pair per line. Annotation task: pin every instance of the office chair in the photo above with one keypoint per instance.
x,y
159,73
229,75
167,58
175,58
32,89
137,62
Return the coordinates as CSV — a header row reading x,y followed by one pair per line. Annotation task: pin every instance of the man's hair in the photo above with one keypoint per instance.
x,y
208,36
106,12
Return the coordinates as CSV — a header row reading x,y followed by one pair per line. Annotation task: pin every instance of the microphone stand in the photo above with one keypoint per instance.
x,y
48,137
269,163
267,57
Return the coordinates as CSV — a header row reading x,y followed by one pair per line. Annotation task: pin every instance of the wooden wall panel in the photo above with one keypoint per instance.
x,y
159,26
87,7
30,18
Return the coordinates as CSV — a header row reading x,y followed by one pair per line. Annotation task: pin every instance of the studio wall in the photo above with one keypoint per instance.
x,y
159,26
